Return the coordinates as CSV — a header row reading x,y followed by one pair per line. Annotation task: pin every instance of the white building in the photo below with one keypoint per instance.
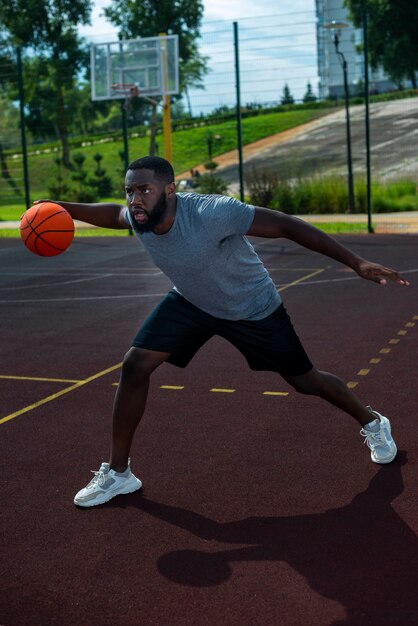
x,y
331,79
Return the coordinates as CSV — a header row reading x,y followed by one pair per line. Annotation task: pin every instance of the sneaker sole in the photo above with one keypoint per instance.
x,y
109,496
388,460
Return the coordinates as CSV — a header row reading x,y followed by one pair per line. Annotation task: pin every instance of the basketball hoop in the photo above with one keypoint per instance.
x,y
129,90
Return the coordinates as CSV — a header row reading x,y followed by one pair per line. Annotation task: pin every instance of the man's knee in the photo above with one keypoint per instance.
x,y
138,364
311,384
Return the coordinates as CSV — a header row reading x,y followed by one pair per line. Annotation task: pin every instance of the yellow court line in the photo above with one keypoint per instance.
x,y
36,379
275,393
373,361
175,387
217,390
363,372
59,393
300,280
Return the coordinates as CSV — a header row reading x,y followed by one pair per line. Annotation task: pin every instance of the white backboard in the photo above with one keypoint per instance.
x,y
150,63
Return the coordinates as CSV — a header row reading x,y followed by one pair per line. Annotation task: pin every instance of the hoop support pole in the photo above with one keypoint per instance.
x,y
166,103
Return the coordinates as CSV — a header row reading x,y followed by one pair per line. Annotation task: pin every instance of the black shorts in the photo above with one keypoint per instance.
x,y
180,328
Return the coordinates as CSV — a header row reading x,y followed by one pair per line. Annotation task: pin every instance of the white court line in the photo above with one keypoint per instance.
x,y
123,272
124,297
319,282
263,243
155,295
65,282
47,273
296,269
339,280
68,282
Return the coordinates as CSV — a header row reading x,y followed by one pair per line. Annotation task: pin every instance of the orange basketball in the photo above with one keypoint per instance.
x,y
47,229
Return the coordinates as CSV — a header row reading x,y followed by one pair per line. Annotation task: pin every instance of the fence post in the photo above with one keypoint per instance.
x,y
239,130
125,135
22,125
125,142
367,116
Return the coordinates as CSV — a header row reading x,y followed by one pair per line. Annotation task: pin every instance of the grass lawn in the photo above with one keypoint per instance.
x,y
13,212
331,228
189,149
334,228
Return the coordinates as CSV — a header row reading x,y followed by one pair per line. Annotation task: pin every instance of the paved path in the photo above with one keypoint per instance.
x,y
320,146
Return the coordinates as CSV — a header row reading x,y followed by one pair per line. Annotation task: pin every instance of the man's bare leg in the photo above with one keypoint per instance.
x,y
130,401
332,389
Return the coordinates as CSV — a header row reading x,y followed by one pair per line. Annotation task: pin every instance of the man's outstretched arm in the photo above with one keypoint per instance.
x,y
269,223
103,214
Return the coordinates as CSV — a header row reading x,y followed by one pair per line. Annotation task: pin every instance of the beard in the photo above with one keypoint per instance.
x,y
155,216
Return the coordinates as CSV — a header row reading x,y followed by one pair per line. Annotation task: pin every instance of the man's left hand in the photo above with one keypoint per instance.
x,y
379,273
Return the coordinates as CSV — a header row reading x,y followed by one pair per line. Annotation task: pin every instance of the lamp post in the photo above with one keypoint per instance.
x,y
367,115
335,27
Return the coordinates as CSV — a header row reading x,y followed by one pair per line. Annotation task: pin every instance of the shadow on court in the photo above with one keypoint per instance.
x,y
347,555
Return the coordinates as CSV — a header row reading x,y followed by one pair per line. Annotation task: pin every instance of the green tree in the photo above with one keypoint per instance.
x,y
149,18
83,112
309,95
8,76
287,97
393,35
9,137
54,53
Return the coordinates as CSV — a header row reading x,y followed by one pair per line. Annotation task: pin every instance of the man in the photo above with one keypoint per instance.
x,y
221,288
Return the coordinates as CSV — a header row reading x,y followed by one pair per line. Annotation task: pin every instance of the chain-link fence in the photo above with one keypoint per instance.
x,y
294,143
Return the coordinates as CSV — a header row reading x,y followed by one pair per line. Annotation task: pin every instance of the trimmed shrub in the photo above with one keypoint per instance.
x,y
207,183
262,185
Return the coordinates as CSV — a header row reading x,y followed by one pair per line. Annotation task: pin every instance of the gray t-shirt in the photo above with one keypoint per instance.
x,y
210,261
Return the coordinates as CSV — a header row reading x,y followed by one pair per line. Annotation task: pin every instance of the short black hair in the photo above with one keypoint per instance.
x,y
161,167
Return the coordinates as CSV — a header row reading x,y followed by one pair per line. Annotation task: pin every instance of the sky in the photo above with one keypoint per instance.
x,y
214,10
273,51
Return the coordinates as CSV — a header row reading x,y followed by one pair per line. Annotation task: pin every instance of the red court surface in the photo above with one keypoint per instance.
x,y
260,506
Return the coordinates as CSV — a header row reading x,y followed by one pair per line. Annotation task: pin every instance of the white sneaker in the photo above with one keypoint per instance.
x,y
105,485
379,438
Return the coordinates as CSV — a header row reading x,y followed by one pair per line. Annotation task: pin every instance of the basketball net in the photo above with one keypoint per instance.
x,y
129,90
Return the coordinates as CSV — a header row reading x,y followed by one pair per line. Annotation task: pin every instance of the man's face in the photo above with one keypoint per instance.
x,y
146,199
